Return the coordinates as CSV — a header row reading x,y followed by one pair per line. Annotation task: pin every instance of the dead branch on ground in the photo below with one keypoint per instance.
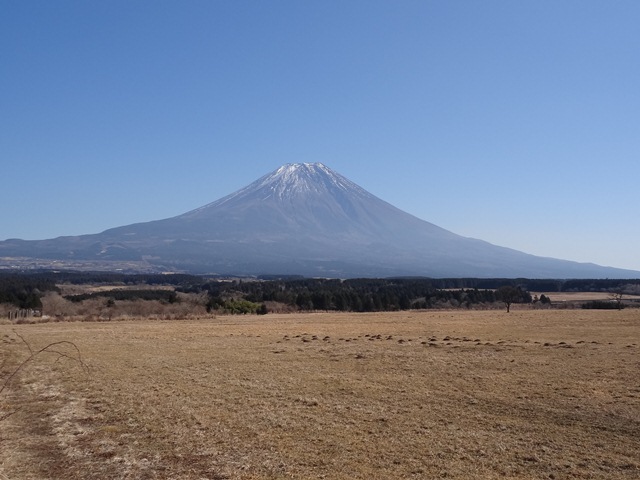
x,y
53,348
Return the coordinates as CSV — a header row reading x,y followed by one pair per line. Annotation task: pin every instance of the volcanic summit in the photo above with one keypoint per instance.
x,y
303,219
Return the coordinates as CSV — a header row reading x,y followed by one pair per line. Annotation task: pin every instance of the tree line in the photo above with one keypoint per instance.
x,y
167,296
24,291
356,295
244,295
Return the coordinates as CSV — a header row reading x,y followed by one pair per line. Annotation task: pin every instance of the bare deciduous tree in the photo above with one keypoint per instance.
x,y
508,295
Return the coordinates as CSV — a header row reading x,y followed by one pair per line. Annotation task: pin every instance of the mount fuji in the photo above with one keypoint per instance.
x,y
301,219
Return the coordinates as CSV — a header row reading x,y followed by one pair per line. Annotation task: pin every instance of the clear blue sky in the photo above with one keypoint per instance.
x,y
517,122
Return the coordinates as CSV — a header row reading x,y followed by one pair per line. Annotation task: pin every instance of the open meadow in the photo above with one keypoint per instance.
x,y
422,394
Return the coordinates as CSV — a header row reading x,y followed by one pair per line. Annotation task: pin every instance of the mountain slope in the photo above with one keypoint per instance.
x,y
303,219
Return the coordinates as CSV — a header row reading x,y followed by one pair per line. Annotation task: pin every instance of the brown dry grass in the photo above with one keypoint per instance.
x,y
583,296
531,394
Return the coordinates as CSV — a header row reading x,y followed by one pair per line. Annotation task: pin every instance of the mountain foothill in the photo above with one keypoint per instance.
x,y
301,219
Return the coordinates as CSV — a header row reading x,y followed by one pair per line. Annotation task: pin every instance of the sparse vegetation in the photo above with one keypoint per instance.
x,y
432,394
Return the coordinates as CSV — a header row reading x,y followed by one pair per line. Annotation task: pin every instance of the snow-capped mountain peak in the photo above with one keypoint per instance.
x,y
292,182
300,178
302,218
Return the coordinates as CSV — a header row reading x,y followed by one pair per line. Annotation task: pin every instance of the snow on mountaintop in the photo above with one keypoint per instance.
x,y
292,180
302,218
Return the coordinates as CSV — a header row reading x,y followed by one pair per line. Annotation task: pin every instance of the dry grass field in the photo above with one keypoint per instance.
x,y
449,394
578,297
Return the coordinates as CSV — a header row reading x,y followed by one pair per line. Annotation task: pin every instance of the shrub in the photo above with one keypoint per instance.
x,y
602,305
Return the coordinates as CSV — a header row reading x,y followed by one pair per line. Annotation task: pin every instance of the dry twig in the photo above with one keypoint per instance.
x,y
50,348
